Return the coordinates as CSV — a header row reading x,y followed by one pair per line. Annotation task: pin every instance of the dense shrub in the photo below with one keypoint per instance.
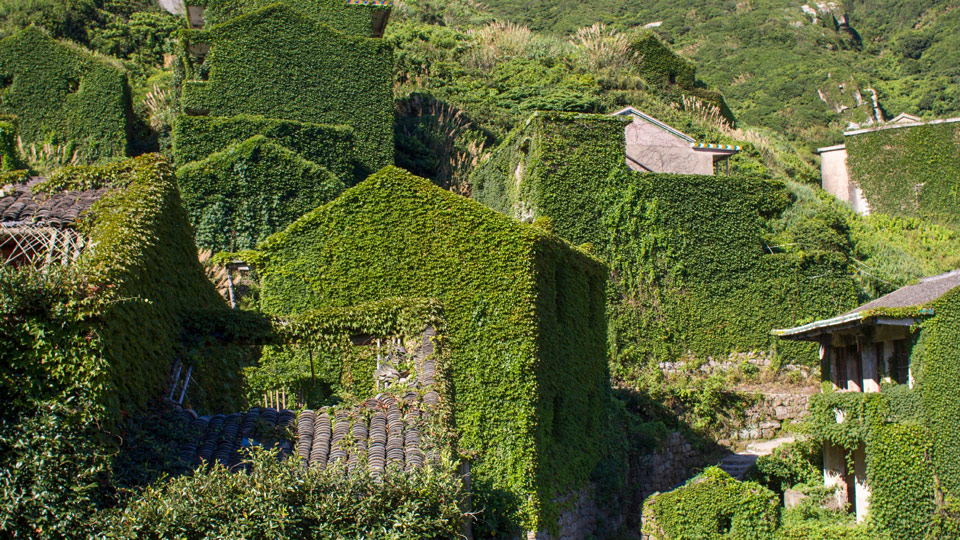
x,y
280,63
712,506
63,94
52,466
238,197
796,463
280,500
524,318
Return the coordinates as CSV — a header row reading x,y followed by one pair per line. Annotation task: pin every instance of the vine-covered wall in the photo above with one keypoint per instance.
x,y
238,197
279,62
525,323
62,93
142,247
355,20
911,171
331,146
939,377
690,270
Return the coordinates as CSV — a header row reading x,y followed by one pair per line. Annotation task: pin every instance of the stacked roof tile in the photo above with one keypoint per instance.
x,y
20,206
383,432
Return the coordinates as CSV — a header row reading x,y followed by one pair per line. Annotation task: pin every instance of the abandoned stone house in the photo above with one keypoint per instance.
x,y
653,146
835,173
859,350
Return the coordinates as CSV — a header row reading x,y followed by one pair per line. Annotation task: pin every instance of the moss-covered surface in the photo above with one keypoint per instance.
x,y
690,269
330,146
279,62
238,197
355,20
525,323
64,94
142,248
911,171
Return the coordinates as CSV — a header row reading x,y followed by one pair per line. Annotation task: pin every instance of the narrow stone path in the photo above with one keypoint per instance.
x,y
737,465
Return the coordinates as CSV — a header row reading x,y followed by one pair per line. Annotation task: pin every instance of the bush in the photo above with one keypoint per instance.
x,y
796,463
712,506
278,499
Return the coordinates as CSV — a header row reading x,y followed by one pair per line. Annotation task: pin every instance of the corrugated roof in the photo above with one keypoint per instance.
x,y
20,206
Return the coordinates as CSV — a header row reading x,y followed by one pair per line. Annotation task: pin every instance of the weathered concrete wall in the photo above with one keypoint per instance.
x,y
651,149
835,179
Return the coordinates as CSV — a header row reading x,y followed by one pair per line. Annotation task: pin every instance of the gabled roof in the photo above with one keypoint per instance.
x,y
630,111
917,296
20,206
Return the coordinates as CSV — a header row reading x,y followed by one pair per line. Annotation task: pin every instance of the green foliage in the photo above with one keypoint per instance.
x,y
197,137
690,268
661,65
145,252
789,465
913,172
280,500
281,63
355,20
9,156
900,479
63,94
318,359
238,197
939,380
52,464
712,506
524,319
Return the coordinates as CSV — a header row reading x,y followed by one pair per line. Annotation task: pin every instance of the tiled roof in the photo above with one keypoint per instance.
x,y
391,429
925,291
19,206
380,432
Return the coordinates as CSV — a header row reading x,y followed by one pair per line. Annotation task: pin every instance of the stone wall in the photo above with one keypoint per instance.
x,y
766,416
667,467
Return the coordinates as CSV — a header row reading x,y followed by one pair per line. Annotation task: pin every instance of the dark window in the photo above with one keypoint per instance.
x,y
900,365
856,365
841,377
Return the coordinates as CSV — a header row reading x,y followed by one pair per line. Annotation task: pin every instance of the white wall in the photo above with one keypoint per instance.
x,y
835,179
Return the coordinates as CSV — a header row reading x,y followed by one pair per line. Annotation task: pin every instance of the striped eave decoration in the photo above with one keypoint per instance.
x,y
371,2
716,147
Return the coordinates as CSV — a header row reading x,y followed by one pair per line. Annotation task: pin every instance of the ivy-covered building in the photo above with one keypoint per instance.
x,y
525,326
686,252
304,62
64,94
904,167
122,236
902,349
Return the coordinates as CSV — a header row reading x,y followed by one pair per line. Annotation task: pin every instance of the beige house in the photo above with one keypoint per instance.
x,y
858,350
653,146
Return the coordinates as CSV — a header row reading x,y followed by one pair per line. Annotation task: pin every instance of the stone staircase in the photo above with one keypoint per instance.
x,y
737,465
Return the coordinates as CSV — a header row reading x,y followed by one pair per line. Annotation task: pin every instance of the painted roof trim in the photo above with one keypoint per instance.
x,y
833,148
370,2
646,117
850,320
721,147
901,126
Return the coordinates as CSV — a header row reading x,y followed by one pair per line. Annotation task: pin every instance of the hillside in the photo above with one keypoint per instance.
x,y
771,57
